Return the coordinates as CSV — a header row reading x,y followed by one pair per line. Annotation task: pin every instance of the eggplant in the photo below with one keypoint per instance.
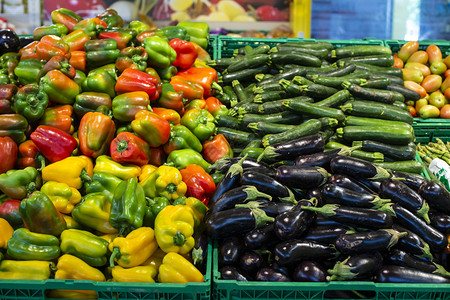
x,y
370,184
436,195
25,40
402,258
280,163
402,194
324,221
235,221
399,274
269,171
272,209
299,177
414,181
319,159
412,243
271,275
326,234
294,148
268,185
315,193
357,217
200,251
9,41
292,224
430,235
294,251
357,267
368,241
230,251
231,273
349,183
309,271
261,237
250,262
358,168
235,196
441,222
333,194
223,164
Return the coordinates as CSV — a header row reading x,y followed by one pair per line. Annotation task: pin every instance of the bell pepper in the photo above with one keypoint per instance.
x,y
91,26
71,267
25,270
95,133
146,171
199,183
73,171
91,102
76,40
106,164
121,35
84,245
134,80
7,233
134,249
154,206
104,183
157,156
7,92
155,260
27,245
129,148
40,215
65,16
154,129
200,122
54,29
166,74
203,55
78,61
99,81
14,126
160,53
71,223
170,99
186,53
9,61
172,116
196,103
51,45
93,212
215,107
174,227
29,156
125,128
111,17
191,90
132,57
18,184
108,237
29,51
138,26
57,62
101,52
28,70
134,274
153,72
128,206
175,32
198,209
182,138
216,149
182,158
64,197
206,77
59,88
53,143
59,117
164,182
30,101
198,32
177,269
8,154
110,68
126,106
9,210
149,33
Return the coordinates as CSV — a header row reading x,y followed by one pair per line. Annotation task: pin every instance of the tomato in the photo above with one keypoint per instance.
x,y
420,103
419,57
429,111
447,61
432,83
438,67
446,73
398,63
407,50
445,112
418,66
437,99
447,93
434,54
416,87
412,75
412,110
446,84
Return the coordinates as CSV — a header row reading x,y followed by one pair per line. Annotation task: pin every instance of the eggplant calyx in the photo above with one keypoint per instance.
x,y
378,202
426,252
236,168
349,150
261,217
440,270
219,165
387,208
381,175
342,271
327,210
395,237
290,198
250,204
197,255
423,212
269,152
253,193
324,174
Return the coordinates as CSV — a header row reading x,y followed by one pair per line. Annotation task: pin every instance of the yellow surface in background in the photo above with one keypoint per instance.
x,y
300,18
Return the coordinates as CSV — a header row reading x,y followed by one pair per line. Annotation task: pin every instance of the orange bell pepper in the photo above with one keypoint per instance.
x,y
78,60
29,156
134,80
95,134
191,90
29,51
206,77
169,114
59,117
216,149
76,40
51,45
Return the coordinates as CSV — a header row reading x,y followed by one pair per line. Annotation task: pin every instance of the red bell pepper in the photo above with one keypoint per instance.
x,y
169,114
186,53
95,133
157,156
215,107
78,60
66,17
29,156
91,26
58,62
76,40
29,51
129,148
134,80
206,77
53,143
216,149
199,183
8,154
9,210
191,90
121,35
59,117
51,45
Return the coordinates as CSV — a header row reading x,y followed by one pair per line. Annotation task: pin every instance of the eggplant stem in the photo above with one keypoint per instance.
x,y
395,236
269,152
327,210
423,212
381,175
261,217
253,193
341,271
387,208
236,168
440,270
250,204
290,198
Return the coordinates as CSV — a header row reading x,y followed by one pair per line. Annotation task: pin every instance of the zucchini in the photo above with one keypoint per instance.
x,y
230,93
314,110
372,109
261,77
342,71
247,108
263,128
311,69
301,59
237,138
385,134
409,166
327,123
228,121
309,127
336,99
319,53
267,87
360,50
407,93
374,60
269,96
400,104
224,99
221,63
356,153
287,74
277,105
261,49
318,91
249,88
251,152
394,79
284,117
378,83
312,45
241,94
247,61
336,82
373,94
243,74
361,121
379,70
395,152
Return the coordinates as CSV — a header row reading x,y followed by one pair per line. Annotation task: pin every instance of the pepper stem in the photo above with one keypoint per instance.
x,y
114,254
179,239
84,176
41,161
122,146
171,188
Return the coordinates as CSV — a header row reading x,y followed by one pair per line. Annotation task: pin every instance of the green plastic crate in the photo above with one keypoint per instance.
x,y
395,45
427,130
212,46
37,289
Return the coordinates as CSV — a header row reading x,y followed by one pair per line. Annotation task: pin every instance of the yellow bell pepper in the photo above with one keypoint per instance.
x,y
25,269
155,260
146,171
71,223
63,196
6,232
174,227
134,249
134,274
71,267
73,171
106,164
177,269
166,182
108,237
72,294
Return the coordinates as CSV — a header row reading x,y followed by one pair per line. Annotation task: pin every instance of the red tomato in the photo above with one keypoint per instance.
x,y
445,111
270,13
412,111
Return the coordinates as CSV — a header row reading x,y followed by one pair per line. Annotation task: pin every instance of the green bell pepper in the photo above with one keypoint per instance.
x,y
200,122
54,29
31,102
17,184
154,206
182,138
9,61
99,81
85,245
27,245
176,32
180,159
160,54
127,105
198,32
165,74
111,18
103,183
101,52
138,26
92,102
28,70
79,77
110,68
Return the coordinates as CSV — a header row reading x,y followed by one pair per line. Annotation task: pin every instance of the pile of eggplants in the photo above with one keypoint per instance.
x,y
319,215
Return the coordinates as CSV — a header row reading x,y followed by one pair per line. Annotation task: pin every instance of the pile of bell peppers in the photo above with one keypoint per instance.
x,y
107,132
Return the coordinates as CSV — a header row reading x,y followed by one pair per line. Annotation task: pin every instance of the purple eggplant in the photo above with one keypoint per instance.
x,y
324,221
368,241
230,250
320,159
349,183
315,193
272,209
412,243
269,171
223,164
200,251
398,274
404,259
373,185
268,185
414,181
299,177
326,234
333,194
309,271
271,275
261,237
441,222
235,196
357,267
292,224
294,251
231,273
250,262
436,195
358,168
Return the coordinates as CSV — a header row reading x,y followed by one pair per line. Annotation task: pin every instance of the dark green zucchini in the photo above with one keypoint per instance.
x,y
385,134
378,95
360,50
301,59
372,109
335,100
395,152
306,128
314,110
